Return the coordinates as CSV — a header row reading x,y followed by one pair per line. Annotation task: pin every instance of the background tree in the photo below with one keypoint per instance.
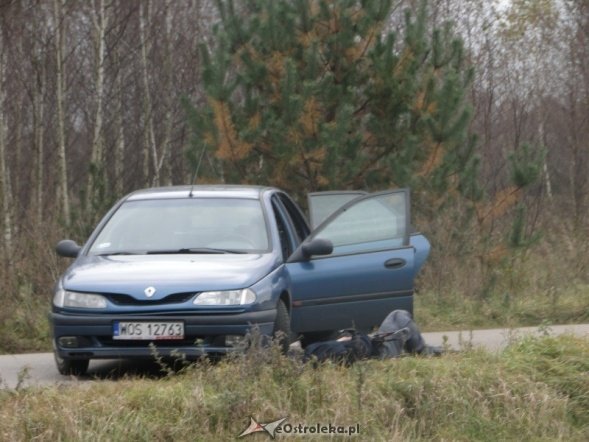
x,y
319,95
60,79
72,82
5,178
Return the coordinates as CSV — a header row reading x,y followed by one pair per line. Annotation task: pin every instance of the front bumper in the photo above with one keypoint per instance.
x,y
204,334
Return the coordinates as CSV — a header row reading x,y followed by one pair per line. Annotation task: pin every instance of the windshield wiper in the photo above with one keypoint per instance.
x,y
194,250
119,253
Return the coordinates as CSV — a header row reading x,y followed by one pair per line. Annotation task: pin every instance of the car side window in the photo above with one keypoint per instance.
x,y
323,204
375,222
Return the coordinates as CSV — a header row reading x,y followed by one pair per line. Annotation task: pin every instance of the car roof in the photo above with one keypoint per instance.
x,y
199,191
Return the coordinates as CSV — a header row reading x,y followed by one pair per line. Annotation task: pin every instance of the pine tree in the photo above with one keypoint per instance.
x,y
319,94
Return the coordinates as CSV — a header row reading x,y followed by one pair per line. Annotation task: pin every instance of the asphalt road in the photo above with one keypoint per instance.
x,y
38,369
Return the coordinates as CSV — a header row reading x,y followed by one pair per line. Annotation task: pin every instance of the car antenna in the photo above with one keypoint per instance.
x,y
195,175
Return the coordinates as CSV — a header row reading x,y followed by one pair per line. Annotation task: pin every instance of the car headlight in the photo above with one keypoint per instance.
x,y
227,297
65,298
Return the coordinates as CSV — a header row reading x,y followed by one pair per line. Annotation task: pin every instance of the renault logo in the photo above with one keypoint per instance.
x,y
149,291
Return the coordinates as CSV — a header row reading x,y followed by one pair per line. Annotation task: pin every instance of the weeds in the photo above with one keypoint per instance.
x,y
22,378
537,389
435,312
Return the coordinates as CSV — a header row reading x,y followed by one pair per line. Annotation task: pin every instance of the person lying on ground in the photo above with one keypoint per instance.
x,y
397,334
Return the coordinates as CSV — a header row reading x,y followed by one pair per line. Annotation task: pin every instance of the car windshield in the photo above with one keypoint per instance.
x,y
187,225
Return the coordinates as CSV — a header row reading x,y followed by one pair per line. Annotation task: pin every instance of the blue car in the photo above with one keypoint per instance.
x,y
191,269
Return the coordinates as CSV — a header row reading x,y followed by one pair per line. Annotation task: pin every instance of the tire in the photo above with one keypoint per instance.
x,y
282,332
71,367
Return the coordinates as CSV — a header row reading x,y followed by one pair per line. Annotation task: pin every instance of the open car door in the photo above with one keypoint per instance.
x,y
368,273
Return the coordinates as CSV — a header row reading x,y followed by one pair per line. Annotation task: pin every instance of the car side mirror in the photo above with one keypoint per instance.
x,y
68,248
315,247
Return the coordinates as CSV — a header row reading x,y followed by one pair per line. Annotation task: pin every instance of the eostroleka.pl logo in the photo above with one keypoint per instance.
x,y
280,427
268,428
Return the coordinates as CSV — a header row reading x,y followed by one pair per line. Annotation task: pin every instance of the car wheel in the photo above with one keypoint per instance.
x,y
282,332
71,367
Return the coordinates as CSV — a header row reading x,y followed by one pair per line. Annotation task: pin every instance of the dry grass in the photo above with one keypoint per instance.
x,y
456,311
537,389
545,283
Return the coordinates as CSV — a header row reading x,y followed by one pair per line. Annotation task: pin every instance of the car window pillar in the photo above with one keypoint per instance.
x,y
287,244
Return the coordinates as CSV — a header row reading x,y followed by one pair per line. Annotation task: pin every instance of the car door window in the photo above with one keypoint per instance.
x,y
372,222
323,204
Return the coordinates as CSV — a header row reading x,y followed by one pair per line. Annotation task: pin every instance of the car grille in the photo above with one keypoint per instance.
x,y
107,341
188,341
176,298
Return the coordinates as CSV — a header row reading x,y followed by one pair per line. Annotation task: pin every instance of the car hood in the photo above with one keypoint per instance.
x,y
168,274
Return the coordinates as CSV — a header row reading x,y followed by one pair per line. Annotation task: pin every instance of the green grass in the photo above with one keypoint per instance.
x,y
435,312
24,324
537,389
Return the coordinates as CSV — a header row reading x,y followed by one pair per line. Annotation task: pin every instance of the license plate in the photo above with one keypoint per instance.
x,y
149,331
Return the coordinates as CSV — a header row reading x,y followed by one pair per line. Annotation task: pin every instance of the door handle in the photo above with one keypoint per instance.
x,y
395,263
